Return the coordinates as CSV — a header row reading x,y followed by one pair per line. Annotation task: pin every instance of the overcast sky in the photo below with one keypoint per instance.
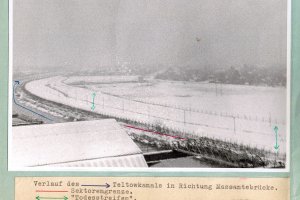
x,y
92,33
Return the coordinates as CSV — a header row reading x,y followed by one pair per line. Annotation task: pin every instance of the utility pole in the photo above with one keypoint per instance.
x,y
184,116
221,89
233,123
103,102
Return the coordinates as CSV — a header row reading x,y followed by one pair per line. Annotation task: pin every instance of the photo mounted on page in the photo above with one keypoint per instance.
x,y
149,85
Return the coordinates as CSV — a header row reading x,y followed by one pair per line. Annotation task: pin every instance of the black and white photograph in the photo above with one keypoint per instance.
x,y
149,84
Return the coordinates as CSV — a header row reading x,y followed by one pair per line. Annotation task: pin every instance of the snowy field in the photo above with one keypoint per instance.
x,y
242,114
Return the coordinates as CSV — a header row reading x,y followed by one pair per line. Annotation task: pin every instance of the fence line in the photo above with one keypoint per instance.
x,y
123,108
265,119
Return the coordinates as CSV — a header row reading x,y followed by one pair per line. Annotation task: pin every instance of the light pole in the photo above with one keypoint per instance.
x,y
233,123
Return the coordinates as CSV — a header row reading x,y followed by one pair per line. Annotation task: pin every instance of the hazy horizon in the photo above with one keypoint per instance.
x,y
93,33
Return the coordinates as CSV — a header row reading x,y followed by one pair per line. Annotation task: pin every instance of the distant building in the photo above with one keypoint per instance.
x,y
99,143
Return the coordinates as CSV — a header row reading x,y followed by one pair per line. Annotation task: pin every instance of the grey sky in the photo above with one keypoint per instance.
x,y
92,33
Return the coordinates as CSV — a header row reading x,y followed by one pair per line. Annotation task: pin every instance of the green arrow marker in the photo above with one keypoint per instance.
x,y
62,198
93,103
276,147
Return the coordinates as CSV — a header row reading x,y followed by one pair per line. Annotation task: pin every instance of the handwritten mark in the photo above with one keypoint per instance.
x,y
51,191
106,185
93,103
62,198
16,84
155,132
276,147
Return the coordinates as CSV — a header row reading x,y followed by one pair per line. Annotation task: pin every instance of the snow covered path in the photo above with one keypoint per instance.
x,y
63,90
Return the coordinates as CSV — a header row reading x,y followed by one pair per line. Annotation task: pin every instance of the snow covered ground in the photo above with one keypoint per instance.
x,y
242,114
